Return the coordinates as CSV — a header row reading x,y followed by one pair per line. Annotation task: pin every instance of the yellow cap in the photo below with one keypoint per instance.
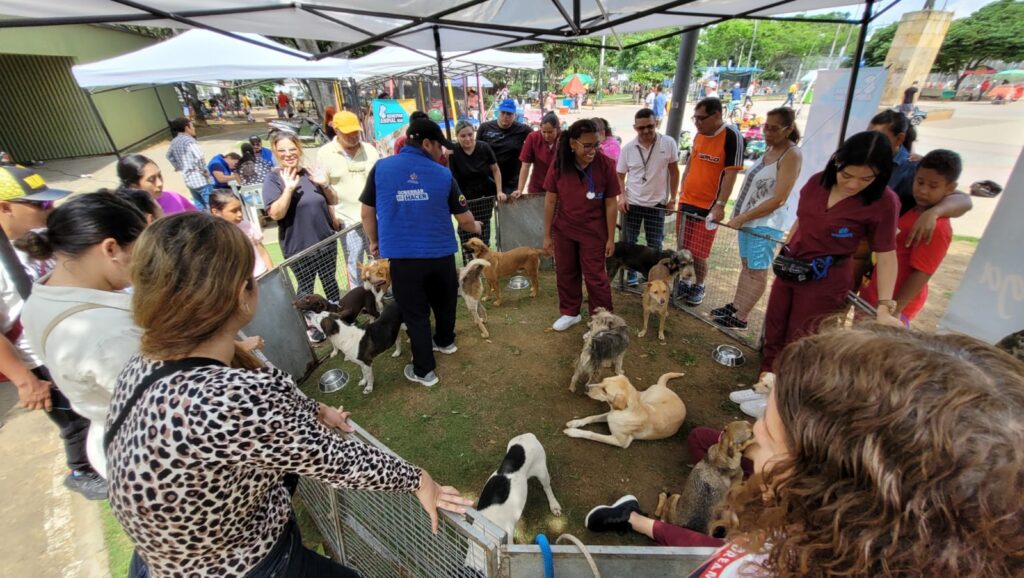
x,y
346,123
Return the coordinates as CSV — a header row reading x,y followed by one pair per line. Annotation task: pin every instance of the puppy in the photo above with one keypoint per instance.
x,y
376,276
504,264
633,256
352,304
604,343
472,289
361,346
656,298
655,414
709,482
504,495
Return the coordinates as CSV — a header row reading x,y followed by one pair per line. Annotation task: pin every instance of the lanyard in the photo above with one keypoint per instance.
x,y
643,160
591,188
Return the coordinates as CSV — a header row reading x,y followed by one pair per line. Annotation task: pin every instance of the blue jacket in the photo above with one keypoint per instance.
x,y
414,216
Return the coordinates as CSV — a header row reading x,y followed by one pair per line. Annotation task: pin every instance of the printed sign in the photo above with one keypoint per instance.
x,y
390,116
989,304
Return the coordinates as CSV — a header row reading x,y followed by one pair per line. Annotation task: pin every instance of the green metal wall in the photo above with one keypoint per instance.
x,y
46,115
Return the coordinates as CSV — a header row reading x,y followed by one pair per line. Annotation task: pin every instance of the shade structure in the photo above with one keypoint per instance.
x,y
201,55
583,78
574,86
471,81
467,25
395,61
1011,75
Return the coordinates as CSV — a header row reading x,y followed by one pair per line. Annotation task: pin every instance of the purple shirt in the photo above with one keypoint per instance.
x,y
172,203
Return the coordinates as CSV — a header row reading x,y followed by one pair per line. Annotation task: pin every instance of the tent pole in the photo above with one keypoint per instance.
x,y
479,92
855,69
161,103
103,125
440,82
684,70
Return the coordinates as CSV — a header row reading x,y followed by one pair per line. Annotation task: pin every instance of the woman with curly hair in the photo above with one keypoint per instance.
x,y
882,452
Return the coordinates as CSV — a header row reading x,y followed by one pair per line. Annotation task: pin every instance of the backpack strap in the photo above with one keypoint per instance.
x,y
64,315
163,371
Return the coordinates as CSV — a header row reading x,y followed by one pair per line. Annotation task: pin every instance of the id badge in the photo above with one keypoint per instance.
x,y
591,195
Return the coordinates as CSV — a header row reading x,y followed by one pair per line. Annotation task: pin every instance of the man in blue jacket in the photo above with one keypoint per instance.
x,y
407,207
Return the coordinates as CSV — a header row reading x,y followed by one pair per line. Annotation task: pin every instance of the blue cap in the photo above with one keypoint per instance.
x,y
508,105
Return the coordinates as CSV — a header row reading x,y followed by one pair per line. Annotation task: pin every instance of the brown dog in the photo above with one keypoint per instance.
x,y
376,276
656,413
709,482
471,290
504,264
655,300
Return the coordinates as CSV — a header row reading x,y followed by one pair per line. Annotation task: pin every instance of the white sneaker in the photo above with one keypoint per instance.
x,y
566,321
447,350
754,408
743,395
428,380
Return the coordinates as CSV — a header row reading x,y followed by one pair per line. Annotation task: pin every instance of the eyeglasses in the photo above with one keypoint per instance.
x,y
773,128
40,205
643,127
588,146
696,118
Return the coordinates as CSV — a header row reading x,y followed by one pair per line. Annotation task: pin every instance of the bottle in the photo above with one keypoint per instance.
x,y
709,224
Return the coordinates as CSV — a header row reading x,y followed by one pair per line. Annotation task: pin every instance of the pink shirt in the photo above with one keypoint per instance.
x,y
611,148
255,235
172,203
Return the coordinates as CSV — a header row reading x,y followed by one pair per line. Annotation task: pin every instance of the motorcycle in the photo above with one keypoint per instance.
x,y
918,116
308,130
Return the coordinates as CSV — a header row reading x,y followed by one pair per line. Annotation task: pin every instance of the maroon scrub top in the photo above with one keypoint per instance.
x,y
542,155
576,215
838,231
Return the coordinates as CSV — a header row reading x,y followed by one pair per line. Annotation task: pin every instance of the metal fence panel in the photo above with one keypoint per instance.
x,y
281,326
648,562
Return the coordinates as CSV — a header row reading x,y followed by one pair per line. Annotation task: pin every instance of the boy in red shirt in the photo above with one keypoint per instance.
x,y
936,177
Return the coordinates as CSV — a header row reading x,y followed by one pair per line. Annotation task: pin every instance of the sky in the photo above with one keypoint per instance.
x,y
960,8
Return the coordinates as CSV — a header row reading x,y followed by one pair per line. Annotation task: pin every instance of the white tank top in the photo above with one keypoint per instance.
x,y
758,187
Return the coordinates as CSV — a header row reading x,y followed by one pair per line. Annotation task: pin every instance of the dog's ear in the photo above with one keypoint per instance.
x,y
329,325
619,401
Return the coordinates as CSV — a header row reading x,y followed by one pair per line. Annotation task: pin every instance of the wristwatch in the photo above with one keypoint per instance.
x,y
889,304
720,203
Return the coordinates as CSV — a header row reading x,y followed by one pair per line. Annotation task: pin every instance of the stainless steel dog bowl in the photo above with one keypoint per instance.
x,y
333,380
518,282
728,355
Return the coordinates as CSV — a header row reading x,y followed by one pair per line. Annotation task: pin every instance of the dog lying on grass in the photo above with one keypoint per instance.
x,y
362,345
605,343
709,482
654,414
505,264
472,289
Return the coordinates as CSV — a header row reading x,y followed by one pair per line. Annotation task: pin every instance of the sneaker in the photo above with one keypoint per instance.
x,y
447,350
428,380
566,321
744,395
755,407
88,483
632,279
723,311
683,290
613,517
696,296
730,321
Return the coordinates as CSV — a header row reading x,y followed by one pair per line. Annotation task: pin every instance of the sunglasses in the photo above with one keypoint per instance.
x,y
40,205
643,127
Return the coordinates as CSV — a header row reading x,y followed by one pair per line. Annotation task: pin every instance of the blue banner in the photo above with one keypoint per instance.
x,y
388,117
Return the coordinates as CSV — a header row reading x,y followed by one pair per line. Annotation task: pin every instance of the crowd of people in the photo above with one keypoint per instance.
x,y
197,443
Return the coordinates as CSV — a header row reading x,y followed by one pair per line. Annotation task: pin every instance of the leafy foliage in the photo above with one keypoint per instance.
x,y
995,32
878,46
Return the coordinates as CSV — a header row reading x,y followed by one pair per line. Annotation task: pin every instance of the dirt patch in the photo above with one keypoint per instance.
x,y
943,284
517,382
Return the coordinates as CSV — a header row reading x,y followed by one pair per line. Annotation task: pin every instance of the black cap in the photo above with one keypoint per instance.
x,y
426,129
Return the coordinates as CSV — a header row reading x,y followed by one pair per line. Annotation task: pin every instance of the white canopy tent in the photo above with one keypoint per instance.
x,y
201,55
395,61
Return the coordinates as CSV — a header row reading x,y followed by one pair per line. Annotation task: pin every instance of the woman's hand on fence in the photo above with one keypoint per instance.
x,y
609,248
502,197
434,497
736,222
517,193
335,418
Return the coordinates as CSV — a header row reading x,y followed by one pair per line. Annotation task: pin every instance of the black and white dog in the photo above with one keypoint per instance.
x,y
504,495
641,258
362,345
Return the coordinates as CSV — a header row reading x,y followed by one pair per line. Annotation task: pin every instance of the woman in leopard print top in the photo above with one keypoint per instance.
x,y
196,467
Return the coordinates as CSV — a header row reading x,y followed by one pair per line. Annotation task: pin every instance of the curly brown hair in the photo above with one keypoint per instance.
x,y
905,458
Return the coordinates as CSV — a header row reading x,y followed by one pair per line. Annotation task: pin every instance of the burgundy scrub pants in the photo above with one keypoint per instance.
x,y
578,259
797,309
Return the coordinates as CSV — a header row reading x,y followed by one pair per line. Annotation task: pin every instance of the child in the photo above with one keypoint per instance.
x,y
935,178
227,206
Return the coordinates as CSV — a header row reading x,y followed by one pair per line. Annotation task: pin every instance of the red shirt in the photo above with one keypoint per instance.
x,y
542,155
577,215
923,257
282,100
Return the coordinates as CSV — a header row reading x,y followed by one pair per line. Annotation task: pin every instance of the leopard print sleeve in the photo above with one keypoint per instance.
x,y
263,421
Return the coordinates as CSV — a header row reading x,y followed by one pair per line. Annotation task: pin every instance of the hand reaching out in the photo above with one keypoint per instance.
x,y
435,497
290,177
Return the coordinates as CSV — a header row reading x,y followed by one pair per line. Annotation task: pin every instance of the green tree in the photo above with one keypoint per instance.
x,y
995,32
878,46
649,63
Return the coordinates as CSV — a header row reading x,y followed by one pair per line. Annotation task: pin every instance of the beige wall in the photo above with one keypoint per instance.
x,y
913,51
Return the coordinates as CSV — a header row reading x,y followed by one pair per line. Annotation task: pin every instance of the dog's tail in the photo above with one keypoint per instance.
x,y
663,380
544,252
472,270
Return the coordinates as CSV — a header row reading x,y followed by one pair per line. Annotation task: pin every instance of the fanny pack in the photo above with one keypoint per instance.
x,y
800,270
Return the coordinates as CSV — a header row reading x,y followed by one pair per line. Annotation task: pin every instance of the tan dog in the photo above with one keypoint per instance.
x,y
655,300
376,276
472,290
709,482
655,414
505,264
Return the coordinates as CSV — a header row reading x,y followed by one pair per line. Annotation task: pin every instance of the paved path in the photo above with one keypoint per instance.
x,y
48,531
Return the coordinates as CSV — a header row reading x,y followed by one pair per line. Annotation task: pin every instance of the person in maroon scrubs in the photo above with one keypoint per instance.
x,y
579,221
847,202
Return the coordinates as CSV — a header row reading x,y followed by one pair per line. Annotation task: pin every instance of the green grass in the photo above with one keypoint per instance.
x,y
966,239
119,545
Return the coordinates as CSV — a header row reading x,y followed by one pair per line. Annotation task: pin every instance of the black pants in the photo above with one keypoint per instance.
x,y
73,427
421,286
322,263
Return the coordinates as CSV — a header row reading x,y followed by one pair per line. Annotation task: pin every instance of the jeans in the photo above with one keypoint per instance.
x,y
323,263
355,249
73,428
287,559
201,197
422,286
653,221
